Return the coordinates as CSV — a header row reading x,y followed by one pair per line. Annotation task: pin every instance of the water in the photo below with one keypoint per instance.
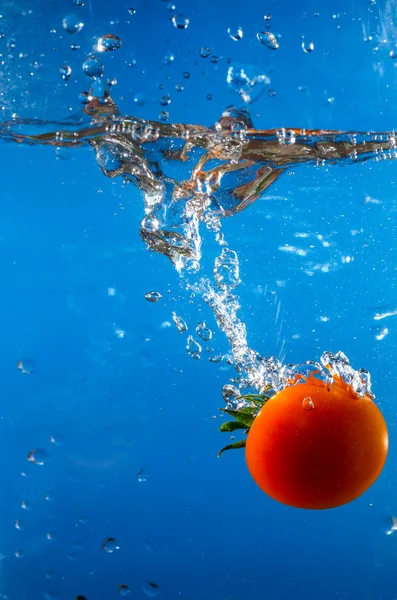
x,y
270,248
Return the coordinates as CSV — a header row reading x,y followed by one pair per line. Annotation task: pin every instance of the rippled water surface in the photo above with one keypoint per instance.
x,y
198,203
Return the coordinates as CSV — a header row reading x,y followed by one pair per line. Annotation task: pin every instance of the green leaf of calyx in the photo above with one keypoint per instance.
x,y
243,416
235,446
231,426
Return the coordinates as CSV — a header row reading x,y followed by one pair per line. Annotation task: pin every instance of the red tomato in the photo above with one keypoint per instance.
x,y
316,446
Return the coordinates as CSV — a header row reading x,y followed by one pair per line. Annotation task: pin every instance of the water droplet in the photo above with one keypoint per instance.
x,y
193,348
93,67
226,270
65,71
151,589
203,331
307,47
271,93
110,545
38,456
393,54
179,323
132,11
19,553
20,525
307,403
235,34
109,42
124,590
26,505
164,115
186,74
72,24
153,296
139,99
180,21
268,39
204,52
165,100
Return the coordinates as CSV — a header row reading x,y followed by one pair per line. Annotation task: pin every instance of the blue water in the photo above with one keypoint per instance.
x,y
113,385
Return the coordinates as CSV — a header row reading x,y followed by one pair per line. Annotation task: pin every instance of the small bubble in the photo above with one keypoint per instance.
x,y
267,17
19,553
204,52
20,525
26,505
124,590
50,575
93,67
72,556
49,497
168,59
139,99
79,2
307,403
393,54
186,74
217,358
164,116
153,296
132,11
38,456
203,331
151,589
109,42
214,59
50,535
82,520
165,100
74,47
72,24
209,96
171,7
56,439
142,476
179,87
307,47
235,34
65,72
268,39
110,545
179,323
271,93
180,21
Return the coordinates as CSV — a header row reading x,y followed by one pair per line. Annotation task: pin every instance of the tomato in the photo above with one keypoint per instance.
x,y
317,446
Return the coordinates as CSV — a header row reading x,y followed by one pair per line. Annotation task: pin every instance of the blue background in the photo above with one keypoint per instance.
x,y
198,527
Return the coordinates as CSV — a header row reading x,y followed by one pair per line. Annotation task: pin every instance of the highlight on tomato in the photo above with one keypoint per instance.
x,y
315,444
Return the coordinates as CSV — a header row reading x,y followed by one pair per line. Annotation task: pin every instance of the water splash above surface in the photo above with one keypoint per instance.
x,y
192,177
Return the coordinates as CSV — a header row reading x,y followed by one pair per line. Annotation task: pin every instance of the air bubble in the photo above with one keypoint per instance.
x,y
180,324
56,439
110,545
180,21
186,75
124,590
38,456
19,553
268,39
109,42
307,403
393,54
50,535
79,2
93,67
235,34
139,99
203,331
151,589
72,24
132,11
193,348
165,100
153,296
271,93
20,525
65,72
164,116
230,393
26,505
204,52
214,59
307,47
179,87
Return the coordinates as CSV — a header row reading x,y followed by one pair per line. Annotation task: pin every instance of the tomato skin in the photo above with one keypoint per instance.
x,y
317,447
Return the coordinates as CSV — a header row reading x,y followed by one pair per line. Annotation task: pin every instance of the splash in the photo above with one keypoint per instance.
x,y
192,177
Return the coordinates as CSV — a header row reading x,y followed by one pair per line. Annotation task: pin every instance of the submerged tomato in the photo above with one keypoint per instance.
x,y
316,447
